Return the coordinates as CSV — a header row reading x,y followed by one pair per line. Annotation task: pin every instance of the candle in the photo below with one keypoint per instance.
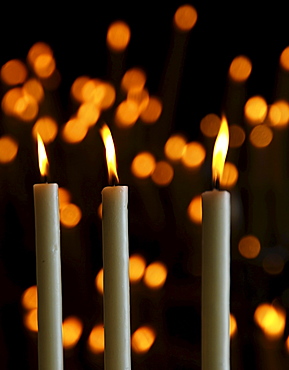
x,y
216,265
48,269
117,352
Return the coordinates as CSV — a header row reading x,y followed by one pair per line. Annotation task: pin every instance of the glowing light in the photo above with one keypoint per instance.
x,y
220,151
64,197
88,113
126,113
29,298
240,68
271,319
30,320
42,157
193,155
273,264
185,17
99,281
44,65
26,107
143,165
8,149
278,114
233,326
118,36
96,339
284,59
142,339
74,131
47,128
70,215
261,136
174,147
230,176
14,72
133,79
110,152
195,210
210,125
155,275
140,98
163,173
76,90
152,111
237,136
71,331
34,88
249,246
9,100
255,110
99,211
39,48
137,265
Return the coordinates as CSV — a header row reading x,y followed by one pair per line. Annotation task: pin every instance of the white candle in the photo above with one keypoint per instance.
x,y
216,268
117,353
48,266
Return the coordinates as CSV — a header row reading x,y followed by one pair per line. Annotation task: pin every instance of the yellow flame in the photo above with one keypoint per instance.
x,y
42,157
110,152
220,151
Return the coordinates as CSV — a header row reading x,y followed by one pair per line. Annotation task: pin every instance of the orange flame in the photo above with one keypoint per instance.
x,y
42,157
110,153
220,151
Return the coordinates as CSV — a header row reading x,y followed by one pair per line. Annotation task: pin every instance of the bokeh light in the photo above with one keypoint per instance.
x,y
46,127
76,89
137,266
64,196
261,136
230,176
175,146
163,173
153,110
142,339
99,281
240,68
126,113
185,17
34,88
255,110
88,113
96,339
249,246
233,326
278,114
194,154
29,298
71,331
195,210
273,263
8,149
70,215
155,275
140,98
237,136
14,72
30,320
210,125
133,79
143,165
118,36
271,319
44,65
74,130
284,59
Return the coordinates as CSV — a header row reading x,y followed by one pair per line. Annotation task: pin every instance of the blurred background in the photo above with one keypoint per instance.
x,y
161,77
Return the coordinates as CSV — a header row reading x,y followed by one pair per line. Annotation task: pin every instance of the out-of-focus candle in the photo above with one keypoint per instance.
x,y
216,264
117,352
48,266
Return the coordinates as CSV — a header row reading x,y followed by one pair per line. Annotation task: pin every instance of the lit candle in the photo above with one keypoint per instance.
x,y
117,353
216,264
48,266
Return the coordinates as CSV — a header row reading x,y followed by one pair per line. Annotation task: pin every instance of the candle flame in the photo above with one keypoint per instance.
x,y
110,153
220,151
42,157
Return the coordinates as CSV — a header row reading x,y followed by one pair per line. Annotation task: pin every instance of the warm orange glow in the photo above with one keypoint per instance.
x,y
110,153
76,90
230,176
118,36
99,211
240,68
273,263
96,339
39,48
34,88
195,210
152,111
126,113
287,344
71,331
233,326
143,165
70,215
210,125
255,110
163,173
237,136
29,298
284,59
88,113
9,100
140,98
133,79
46,127
193,155
26,107
142,339
30,320
220,151
261,136
64,197
44,65
249,246
185,17
99,281
271,319
137,265
95,91
74,131
174,147
42,157
278,114
14,72
155,275
8,149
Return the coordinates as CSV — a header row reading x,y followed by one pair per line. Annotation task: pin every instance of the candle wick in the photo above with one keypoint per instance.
x,y
216,184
